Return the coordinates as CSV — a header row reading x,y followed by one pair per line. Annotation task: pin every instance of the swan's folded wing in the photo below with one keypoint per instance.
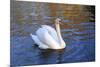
x,y
47,39
51,31
38,42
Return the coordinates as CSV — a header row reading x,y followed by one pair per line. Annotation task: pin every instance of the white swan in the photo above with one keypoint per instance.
x,y
48,38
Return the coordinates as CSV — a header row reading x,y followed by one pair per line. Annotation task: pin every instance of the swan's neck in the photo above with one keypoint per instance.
x,y
59,33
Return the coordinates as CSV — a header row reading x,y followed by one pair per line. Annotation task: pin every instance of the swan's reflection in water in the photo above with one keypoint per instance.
x,y
48,55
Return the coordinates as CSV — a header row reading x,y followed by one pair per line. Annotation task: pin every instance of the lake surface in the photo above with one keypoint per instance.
x,y
78,31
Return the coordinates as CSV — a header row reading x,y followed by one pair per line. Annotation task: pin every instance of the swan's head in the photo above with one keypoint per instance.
x,y
58,21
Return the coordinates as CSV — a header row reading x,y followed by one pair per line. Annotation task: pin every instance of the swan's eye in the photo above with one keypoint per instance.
x,y
60,21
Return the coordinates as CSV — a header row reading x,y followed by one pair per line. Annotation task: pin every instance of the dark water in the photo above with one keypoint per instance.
x,y
78,33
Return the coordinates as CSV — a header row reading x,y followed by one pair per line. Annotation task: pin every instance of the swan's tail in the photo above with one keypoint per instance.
x,y
33,36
